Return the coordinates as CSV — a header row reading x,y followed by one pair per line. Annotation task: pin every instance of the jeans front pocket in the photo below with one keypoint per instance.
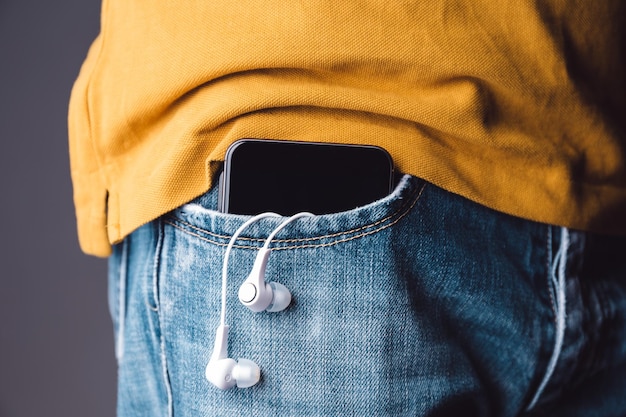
x,y
341,301
402,307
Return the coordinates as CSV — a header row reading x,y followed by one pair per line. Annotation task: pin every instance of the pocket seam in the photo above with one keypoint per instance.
x,y
157,311
394,217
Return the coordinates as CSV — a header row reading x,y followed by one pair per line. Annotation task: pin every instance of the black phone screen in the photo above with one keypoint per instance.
x,y
289,177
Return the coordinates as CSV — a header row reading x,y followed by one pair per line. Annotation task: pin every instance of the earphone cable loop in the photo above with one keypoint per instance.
x,y
231,243
283,225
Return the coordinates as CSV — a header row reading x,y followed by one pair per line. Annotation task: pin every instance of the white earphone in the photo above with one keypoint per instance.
x,y
225,372
256,294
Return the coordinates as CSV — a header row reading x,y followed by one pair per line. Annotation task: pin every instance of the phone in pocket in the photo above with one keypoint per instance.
x,y
288,177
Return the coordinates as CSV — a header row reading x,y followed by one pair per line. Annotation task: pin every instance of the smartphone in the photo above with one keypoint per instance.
x,y
287,177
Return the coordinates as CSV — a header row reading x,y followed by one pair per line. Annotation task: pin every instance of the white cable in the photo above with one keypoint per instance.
x,y
231,243
283,224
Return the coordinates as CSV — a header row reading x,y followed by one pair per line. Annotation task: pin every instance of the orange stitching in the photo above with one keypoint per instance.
x,y
404,209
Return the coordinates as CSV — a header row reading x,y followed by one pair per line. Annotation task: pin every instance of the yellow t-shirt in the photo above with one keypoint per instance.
x,y
518,105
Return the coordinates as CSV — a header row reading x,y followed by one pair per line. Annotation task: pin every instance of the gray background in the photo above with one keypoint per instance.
x,y
56,342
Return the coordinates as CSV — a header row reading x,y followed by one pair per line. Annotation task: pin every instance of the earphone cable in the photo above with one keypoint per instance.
x,y
266,245
282,225
231,243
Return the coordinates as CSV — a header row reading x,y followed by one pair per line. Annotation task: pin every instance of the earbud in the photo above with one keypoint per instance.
x,y
255,293
225,372
258,295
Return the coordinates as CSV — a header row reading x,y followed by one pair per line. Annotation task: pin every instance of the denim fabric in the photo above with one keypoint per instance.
x,y
420,304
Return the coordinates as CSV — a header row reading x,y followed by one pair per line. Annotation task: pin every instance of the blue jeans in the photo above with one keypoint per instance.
x,y
420,304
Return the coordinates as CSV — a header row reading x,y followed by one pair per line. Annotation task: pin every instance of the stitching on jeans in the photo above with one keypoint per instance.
x,y
558,275
157,299
154,303
251,239
302,239
122,283
549,255
399,214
